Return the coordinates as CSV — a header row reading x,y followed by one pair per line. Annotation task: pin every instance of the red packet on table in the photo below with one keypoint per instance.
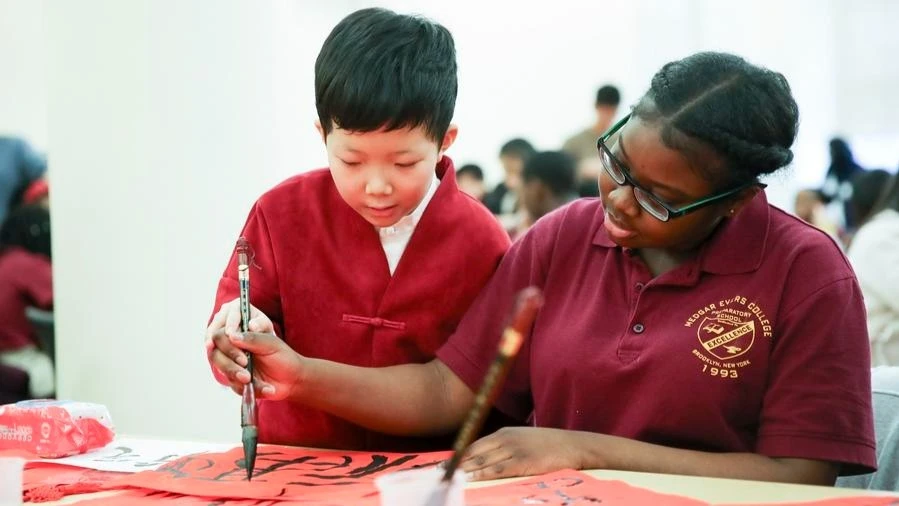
x,y
52,429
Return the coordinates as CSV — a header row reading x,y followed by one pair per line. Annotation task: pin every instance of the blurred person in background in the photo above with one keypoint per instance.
x,y
26,281
548,182
503,200
868,190
874,255
810,208
470,179
837,189
582,146
37,193
20,165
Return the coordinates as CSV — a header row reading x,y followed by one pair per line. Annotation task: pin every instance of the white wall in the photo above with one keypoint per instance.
x,y
165,125
165,119
23,76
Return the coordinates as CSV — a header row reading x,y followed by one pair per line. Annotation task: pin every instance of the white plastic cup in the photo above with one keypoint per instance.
x,y
416,487
11,481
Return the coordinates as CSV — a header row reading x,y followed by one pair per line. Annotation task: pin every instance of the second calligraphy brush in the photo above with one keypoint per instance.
x,y
249,429
528,302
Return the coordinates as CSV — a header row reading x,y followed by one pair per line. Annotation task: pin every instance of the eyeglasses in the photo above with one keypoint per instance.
x,y
651,203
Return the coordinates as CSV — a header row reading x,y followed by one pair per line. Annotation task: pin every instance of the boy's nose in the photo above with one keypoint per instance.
x,y
378,185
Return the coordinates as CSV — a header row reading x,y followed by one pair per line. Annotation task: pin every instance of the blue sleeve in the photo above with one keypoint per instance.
x,y
32,165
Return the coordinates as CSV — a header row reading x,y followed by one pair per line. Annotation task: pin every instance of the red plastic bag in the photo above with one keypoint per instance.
x,y
53,429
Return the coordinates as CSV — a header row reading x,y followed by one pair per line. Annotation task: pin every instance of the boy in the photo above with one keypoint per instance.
x,y
373,261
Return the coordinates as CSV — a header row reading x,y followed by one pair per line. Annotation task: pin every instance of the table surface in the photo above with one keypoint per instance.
x,y
712,490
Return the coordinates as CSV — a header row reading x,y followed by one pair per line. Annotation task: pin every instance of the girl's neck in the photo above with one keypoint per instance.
x,y
660,261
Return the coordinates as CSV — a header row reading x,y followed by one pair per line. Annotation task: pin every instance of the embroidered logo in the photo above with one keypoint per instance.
x,y
726,331
726,336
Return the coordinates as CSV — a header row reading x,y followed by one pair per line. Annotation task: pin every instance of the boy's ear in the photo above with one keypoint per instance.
x,y
448,139
321,131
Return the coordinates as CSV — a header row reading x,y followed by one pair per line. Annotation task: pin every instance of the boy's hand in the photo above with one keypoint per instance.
x,y
228,318
276,366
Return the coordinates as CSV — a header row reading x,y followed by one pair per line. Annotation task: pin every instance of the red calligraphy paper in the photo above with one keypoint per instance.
x,y
155,498
572,488
841,501
50,482
281,472
563,488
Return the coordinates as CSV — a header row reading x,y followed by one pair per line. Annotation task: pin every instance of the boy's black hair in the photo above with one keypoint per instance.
x,y
27,227
472,170
518,148
608,95
745,113
379,69
555,169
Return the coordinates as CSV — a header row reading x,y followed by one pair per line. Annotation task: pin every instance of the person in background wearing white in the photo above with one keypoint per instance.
x,y
874,254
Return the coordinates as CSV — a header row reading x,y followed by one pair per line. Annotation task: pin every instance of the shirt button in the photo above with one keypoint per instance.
x,y
377,322
638,328
639,286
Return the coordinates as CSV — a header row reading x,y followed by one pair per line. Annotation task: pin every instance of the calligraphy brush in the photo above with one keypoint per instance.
x,y
528,302
249,429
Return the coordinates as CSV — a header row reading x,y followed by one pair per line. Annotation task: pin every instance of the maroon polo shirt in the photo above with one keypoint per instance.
x,y
759,344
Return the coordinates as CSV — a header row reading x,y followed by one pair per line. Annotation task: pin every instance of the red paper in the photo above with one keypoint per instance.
x,y
841,501
563,488
572,488
51,482
154,498
281,473
287,476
